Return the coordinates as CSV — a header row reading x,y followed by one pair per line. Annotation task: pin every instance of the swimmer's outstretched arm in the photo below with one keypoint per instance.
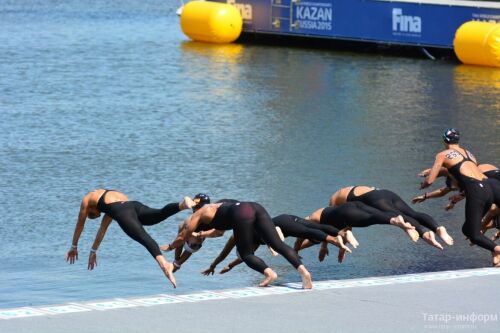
x,y
441,192
106,221
231,265
454,199
442,172
235,262
438,163
206,212
72,254
181,259
230,244
189,227
212,233
487,222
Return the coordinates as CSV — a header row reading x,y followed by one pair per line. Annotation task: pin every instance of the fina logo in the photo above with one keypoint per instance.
x,y
244,8
405,23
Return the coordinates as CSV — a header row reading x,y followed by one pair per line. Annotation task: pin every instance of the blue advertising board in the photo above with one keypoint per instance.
x,y
409,23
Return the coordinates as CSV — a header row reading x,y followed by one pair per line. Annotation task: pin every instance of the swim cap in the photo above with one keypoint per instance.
x,y
201,199
451,136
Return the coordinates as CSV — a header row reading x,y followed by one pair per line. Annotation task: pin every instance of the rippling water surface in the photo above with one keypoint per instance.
x,y
111,94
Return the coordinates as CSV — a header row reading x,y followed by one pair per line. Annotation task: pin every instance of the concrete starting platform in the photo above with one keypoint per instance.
x,y
446,301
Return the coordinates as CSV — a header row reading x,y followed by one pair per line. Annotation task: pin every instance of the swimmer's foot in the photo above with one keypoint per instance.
x,y
430,239
168,270
273,253
495,259
351,239
338,242
407,227
282,237
323,253
270,276
341,256
280,234
306,277
187,203
443,234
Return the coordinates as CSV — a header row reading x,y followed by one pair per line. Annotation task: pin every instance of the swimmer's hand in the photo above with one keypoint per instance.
x,y
92,261
165,247
419,198
209,271
225,269
453,200
72,255
424,184
425,173
323,252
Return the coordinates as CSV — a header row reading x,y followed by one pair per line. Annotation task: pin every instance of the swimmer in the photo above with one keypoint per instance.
x,y
131,216
194,243
246,219
358,215
489,170
480,192
388,201
288,226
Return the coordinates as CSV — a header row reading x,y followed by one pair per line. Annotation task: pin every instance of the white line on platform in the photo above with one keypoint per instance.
x,y
162,299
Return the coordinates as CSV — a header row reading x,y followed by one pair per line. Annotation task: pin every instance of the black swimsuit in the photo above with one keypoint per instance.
x,y
133,215
251,223
388,201
354,214
479,195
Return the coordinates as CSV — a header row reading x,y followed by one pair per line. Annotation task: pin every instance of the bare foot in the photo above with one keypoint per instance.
x,y
407,227
270,276
341,255
338,242
323,252
496,259
351,239
273,253
280,233
430,238
187,203
443,234
168,270
306,277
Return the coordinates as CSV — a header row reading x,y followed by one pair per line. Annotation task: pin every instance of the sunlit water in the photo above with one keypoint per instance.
x,y
111,94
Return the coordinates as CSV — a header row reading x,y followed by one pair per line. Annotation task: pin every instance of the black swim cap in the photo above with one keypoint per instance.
x,y
201,199
451,136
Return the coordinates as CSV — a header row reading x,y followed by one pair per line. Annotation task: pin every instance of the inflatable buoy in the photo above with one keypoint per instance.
x,y
211,22
478,43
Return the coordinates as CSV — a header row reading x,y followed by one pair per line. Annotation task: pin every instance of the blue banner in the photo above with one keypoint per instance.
x,y
364,20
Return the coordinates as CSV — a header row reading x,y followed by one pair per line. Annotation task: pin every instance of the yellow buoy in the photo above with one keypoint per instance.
x,y
211,22
478,43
